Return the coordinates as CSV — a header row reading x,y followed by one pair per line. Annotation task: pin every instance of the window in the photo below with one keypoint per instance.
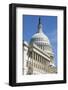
x,y
42,61
35,55
39,58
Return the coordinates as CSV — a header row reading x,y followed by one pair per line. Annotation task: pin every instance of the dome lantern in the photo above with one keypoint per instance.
x,y
39,26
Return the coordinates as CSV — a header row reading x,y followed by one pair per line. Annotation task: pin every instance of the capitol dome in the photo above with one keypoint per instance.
x,y
40,39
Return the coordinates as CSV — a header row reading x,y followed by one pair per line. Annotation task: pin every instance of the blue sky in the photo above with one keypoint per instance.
x,y
49,28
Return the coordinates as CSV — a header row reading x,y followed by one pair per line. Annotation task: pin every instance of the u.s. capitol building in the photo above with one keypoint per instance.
x,y
38,54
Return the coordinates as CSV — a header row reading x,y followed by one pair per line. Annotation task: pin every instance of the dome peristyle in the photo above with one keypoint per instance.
x,y
40,38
